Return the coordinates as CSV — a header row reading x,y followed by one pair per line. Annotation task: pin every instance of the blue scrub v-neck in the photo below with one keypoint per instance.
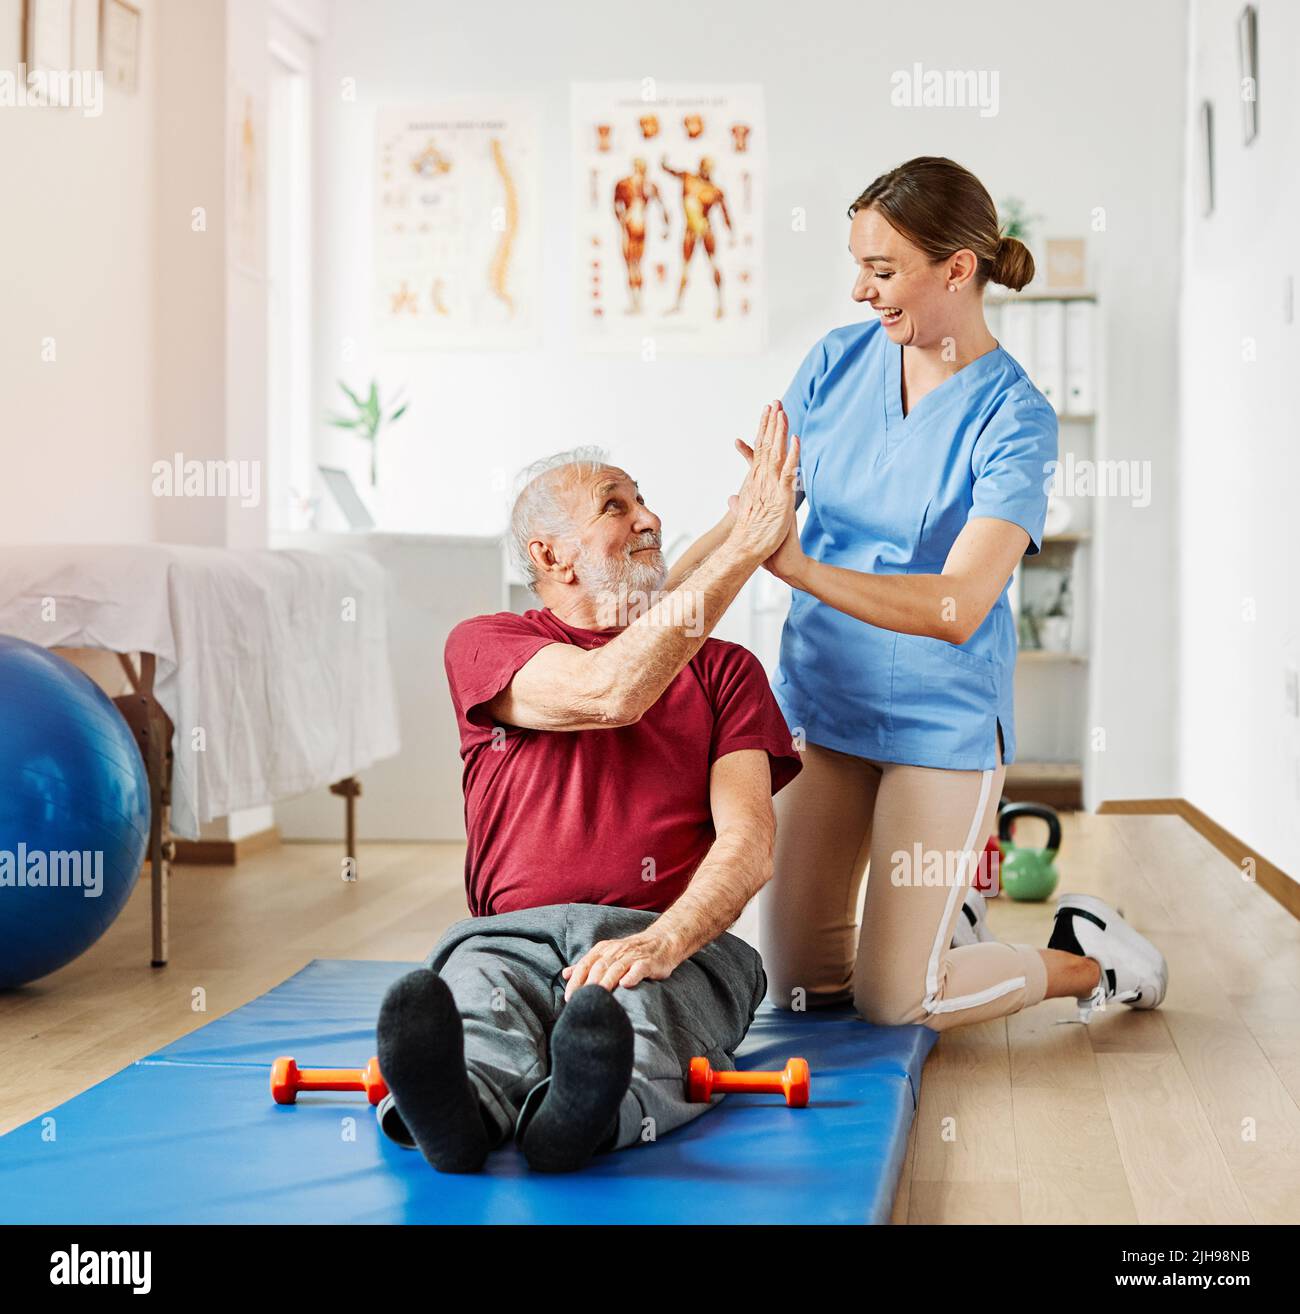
x,y
893,362
888,494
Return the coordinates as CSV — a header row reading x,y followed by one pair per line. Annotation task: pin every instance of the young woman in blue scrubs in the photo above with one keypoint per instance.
x,y
926,458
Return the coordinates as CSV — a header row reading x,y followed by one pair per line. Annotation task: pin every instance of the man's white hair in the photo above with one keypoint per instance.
x,y
539,509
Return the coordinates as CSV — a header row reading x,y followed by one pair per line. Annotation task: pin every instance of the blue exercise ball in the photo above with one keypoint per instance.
x,y
74,812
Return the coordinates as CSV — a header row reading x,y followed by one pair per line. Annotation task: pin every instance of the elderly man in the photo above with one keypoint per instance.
x,y
618,782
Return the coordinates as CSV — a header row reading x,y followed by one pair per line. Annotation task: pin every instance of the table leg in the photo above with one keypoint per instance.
x,y
158,871
153,732
349,790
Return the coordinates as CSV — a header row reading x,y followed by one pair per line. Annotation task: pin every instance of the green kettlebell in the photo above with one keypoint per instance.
x,y
1029,875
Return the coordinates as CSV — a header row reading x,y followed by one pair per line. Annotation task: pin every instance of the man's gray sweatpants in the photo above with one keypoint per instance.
x,y
504,973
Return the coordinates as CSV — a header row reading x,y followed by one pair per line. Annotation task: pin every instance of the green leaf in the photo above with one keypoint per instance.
x,y
399,412
352,396
341,422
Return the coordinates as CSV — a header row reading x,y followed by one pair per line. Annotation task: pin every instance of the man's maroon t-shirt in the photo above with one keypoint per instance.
x,y
618,816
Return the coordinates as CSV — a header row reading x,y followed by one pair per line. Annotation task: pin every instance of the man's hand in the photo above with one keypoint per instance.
x,y
614,963
766,499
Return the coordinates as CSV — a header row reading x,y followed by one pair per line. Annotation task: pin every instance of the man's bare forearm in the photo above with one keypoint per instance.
x,y
736,867
698,552
645,658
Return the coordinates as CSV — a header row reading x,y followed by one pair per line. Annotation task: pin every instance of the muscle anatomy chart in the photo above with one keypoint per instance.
x,y
457,233
668,217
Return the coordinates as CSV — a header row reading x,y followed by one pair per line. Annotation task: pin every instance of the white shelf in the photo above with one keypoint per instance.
x,y
1044,294
1046,657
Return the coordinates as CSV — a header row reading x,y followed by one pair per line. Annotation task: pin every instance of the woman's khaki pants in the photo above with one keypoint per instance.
x,y
921,831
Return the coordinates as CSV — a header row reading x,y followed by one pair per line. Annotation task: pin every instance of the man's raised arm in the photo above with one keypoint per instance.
x,y
565,687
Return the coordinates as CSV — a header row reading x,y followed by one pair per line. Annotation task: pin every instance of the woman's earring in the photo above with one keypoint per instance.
x,y
952,287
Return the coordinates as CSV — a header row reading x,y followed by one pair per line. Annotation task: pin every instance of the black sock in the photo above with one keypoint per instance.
x,y
591,1070
422,1058
1064,938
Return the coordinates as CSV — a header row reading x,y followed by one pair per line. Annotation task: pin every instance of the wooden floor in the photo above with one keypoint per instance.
x,y
1185,1114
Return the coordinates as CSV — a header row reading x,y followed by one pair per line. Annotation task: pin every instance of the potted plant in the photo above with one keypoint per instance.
x,y
368,419
1016,220
1054,624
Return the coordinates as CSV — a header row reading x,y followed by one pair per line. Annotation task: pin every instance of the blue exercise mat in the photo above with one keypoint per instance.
x,y
191,1135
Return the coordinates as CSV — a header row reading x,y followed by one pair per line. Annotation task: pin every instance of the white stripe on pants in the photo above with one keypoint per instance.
x,y
842,812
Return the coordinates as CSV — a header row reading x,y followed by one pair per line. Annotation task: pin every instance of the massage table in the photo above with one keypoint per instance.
x,y
250,675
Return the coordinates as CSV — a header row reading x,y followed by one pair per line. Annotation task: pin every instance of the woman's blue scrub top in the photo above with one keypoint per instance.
x,y
888,494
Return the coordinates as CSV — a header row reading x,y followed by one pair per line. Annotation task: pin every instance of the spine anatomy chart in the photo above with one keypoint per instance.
x,y
457,236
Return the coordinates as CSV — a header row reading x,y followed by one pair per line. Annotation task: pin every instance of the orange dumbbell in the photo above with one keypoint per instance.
x,y
287,1079
702,1083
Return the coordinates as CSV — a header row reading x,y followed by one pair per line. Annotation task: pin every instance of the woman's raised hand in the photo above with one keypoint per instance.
x,y
743,447
765,503
748,453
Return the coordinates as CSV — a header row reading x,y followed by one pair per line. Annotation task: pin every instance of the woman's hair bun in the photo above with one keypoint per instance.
x,y
1013,266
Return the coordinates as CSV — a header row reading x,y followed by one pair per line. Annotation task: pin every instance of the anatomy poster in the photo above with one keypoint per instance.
x,y
457,244
668,217
247,153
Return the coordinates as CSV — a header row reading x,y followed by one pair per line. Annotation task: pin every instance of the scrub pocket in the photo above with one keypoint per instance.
x,y
945,700
962,658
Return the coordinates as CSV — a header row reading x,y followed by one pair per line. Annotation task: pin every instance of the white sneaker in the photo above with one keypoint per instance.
x,y
972,926
1133,970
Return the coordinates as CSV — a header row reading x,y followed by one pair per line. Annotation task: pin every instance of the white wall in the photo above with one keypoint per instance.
x,y
77,231
1091,111
1239,751
212,302
191,264
160,345
248,72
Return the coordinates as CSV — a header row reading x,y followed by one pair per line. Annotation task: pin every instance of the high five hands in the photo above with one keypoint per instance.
x,y
769,491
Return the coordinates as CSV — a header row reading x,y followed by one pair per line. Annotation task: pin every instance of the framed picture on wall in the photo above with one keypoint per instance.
x,y
1066,263
246,197
1248,65
119,51
48,46
1205,158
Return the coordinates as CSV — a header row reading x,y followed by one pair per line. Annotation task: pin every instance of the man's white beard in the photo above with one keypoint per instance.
x,y
621,587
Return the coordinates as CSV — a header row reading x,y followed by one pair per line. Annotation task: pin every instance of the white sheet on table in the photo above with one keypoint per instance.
x,y
252,646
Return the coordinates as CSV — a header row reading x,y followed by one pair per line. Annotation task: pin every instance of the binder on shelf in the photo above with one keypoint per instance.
x,y
1080,388
993,318
1049,352
1017,334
